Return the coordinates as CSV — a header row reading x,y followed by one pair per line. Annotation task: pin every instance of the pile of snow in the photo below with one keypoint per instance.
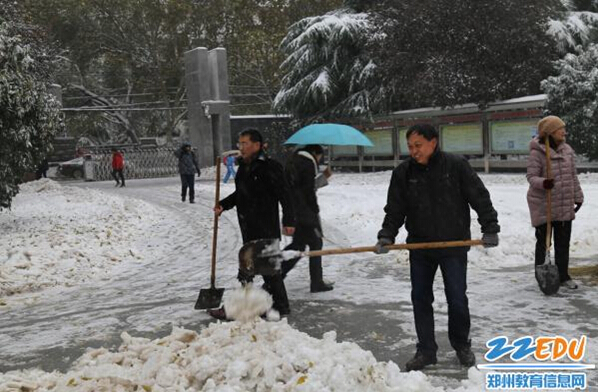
x,y
254,356
247,303
63,236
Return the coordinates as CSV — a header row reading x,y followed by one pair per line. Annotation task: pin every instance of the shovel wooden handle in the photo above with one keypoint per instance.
x,y
215,235
420,245
548,198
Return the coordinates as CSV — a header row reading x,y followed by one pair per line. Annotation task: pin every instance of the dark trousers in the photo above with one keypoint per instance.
x,y
188,181
454,274
305,236
562,236
274,284
120,174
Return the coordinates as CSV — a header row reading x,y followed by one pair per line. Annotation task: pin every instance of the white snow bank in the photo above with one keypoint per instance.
x,y
64,236
255,356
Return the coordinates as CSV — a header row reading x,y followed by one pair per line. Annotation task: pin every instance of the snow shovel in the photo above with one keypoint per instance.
x,y
264,257
211,298
547,274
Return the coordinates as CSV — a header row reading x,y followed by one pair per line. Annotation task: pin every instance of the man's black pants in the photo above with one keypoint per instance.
x,y
188,181
120,174
305,236
424,265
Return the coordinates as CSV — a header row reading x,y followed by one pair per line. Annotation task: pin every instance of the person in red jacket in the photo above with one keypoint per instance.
x,y
118,164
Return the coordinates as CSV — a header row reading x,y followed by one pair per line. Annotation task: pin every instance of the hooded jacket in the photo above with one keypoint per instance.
x,y
434,201
188,164
566,192
260,186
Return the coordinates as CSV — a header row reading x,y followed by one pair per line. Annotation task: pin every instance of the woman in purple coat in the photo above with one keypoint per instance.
x,y
566,193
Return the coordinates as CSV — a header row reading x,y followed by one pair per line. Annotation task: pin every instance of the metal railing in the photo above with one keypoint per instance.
x,y
140,162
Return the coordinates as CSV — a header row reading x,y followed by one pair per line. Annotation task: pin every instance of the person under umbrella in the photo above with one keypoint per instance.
x,y
303,178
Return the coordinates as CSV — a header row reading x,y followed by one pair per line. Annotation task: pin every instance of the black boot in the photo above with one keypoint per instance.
x,y
420,361
466,357
315,276
318,287
218,314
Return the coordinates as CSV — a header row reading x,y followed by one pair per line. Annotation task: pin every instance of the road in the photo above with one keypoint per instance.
x,y
146,300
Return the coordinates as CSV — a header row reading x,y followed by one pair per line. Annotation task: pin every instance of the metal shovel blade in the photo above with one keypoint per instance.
x,y
548,278
260,257
209,298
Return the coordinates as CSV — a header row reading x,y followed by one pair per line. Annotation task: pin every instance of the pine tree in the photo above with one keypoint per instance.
x,y
575,25
326,69
29,116
573,96
450,52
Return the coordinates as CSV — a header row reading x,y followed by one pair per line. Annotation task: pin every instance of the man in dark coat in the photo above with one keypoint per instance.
x,y
431,193
302,176
188,166
260,187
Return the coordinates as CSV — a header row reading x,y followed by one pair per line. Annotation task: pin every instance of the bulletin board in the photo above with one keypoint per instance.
x,y
512,137
345,151
382,140
462,138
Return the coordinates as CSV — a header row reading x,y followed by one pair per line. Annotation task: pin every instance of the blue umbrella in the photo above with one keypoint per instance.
x,y
330,134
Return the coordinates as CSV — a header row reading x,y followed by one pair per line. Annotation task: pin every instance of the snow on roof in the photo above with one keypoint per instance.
x,y
250,116
530,101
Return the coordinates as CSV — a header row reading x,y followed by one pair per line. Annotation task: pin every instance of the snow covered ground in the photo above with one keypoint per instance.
x,y
81,265
65,236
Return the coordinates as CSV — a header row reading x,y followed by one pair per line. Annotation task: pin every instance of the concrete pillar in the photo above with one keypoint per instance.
x,y
206,78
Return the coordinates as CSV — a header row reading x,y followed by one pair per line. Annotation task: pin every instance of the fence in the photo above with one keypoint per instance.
x,y
140,162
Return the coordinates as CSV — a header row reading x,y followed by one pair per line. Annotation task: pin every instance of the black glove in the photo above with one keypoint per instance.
x,y
244,276
548,183
380,245
577,206
490,240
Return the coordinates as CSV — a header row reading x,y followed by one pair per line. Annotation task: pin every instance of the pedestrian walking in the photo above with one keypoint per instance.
x,y
303,178
229,161
260,186
188,166
566,193
431,193
118,165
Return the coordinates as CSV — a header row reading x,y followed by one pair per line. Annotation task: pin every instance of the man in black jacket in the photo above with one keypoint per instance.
x,y
302,176
260,187
188,166
431,193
